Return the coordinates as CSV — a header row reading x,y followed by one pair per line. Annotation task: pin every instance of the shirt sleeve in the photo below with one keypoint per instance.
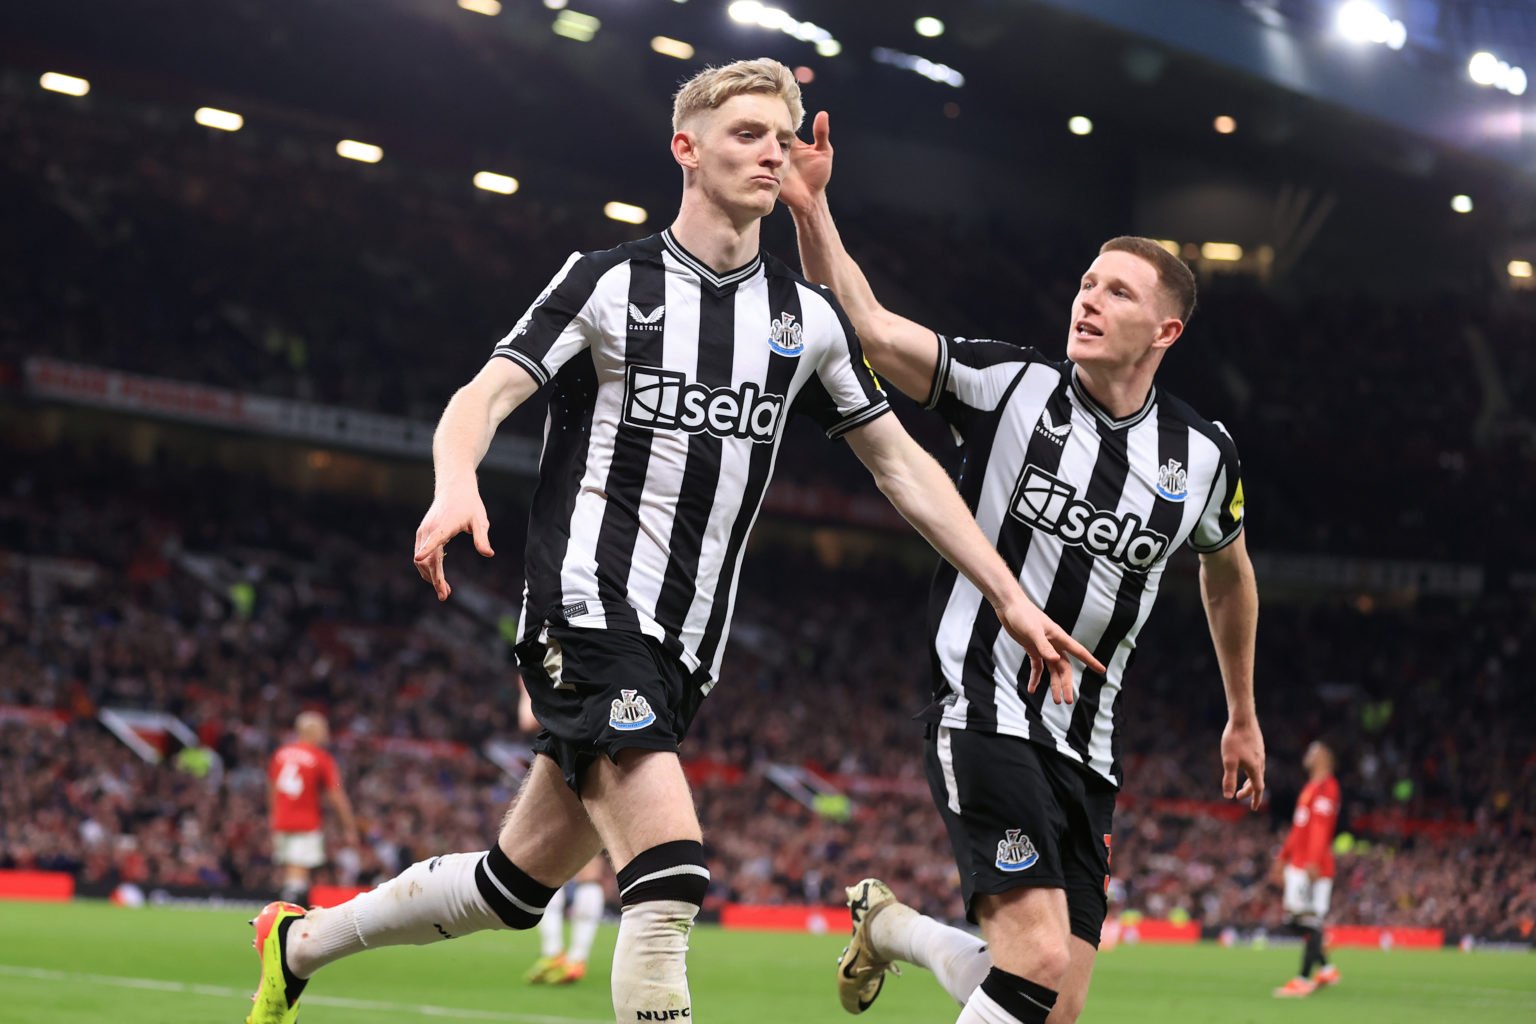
x,y
330,775
843,393
971,377
558,325
1222,519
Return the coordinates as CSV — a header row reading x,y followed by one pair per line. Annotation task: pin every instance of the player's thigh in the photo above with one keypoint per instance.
x,y
1027,932
638,800
546,832
1072,996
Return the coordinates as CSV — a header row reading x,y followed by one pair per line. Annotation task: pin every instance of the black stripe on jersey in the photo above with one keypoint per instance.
x,y
701,473
1070,586
1165,518
631,454
552,314
783,297
568,429
978,675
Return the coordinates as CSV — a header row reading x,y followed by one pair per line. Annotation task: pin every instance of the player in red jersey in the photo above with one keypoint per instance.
x,y
296,777
1305,865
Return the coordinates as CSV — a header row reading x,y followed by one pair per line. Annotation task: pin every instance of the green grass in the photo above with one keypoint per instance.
x,y
91,962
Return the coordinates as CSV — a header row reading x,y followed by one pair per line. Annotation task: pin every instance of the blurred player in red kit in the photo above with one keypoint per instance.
x,y
1305,866
297,775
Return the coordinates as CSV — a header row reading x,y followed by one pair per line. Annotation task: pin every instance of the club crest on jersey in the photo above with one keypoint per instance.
x,y
630,712
1173,481
1016,852
651,321
784,337
1054,432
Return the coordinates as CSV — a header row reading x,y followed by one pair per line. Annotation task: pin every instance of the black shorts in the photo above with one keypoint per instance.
x,y
600,691
1020,815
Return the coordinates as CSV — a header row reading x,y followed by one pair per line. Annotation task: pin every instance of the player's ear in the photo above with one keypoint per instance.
x,y
1168,332
685,150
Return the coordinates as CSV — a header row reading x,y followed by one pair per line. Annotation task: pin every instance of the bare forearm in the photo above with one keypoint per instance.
x,y
1232,609
824,260
463,436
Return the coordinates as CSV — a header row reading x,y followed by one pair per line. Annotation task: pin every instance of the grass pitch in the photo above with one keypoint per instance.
x,y
84,963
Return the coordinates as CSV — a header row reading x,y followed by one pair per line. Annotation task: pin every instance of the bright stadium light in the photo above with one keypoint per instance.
x,y
223,120
489,8
1517,82
1225,252
362,152
1486,69
1483,68
1225,124
929,28
556,5
829,47
669,47
1168,245
69,85
577,26
1461,204
1361,21
776,19
625,212
490,181
931,70
1080,125
1520,268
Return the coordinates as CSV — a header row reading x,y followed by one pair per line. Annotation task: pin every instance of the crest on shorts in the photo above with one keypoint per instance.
x,y
1016,852
630,712
785,336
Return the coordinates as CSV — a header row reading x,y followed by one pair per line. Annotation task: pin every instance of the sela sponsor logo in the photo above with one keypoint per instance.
x,y
651,321
1015,852
1054,432
630,711
1052,505
1173,481
785,336
657,399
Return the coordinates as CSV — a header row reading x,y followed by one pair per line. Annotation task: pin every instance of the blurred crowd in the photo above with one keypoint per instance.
x,y
234,606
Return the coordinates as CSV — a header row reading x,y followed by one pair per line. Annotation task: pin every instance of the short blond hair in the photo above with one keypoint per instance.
x,y
711,87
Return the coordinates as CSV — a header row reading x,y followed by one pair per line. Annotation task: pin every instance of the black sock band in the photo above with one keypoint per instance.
x,y
671,871
1024,1000
516,898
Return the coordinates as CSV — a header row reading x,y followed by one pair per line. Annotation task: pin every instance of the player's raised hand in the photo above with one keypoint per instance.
x,y
1050,648
1242,749
810,165
454,511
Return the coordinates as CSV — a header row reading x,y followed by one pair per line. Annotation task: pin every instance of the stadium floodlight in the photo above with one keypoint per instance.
x,y
1225,124
776,19
1361,21
489,8
931,70
625,213
1520,268
745,12
575,25
929,28
1168,245
69,85
1223,252
363,152
223,120
490,181
669,47
1461,203
556,5
829,47
1079,125
1483,68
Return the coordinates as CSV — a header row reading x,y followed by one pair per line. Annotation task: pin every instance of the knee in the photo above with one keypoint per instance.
x,y
1053,957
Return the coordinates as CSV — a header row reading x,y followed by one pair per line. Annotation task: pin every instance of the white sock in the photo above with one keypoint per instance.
x,y
586,915
983,1009
650,970
957,958
552,926
429,901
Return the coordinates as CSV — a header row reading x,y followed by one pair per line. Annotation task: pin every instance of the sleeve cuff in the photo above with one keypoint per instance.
x,y
1228,539
940,374
535,369
858,419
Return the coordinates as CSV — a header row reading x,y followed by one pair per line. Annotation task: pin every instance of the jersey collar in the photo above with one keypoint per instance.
x,y
1088,402
718,282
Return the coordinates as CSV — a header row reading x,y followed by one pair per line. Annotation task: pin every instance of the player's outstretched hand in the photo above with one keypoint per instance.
x,y
810,166
453,512
1050,648
1242,749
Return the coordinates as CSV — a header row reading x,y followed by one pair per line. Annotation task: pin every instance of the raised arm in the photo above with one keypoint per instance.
x,y
463,435
923,493
1231,599
900,350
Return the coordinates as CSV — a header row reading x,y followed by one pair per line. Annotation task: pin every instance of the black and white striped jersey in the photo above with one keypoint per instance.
x,y
671,389
1085,508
